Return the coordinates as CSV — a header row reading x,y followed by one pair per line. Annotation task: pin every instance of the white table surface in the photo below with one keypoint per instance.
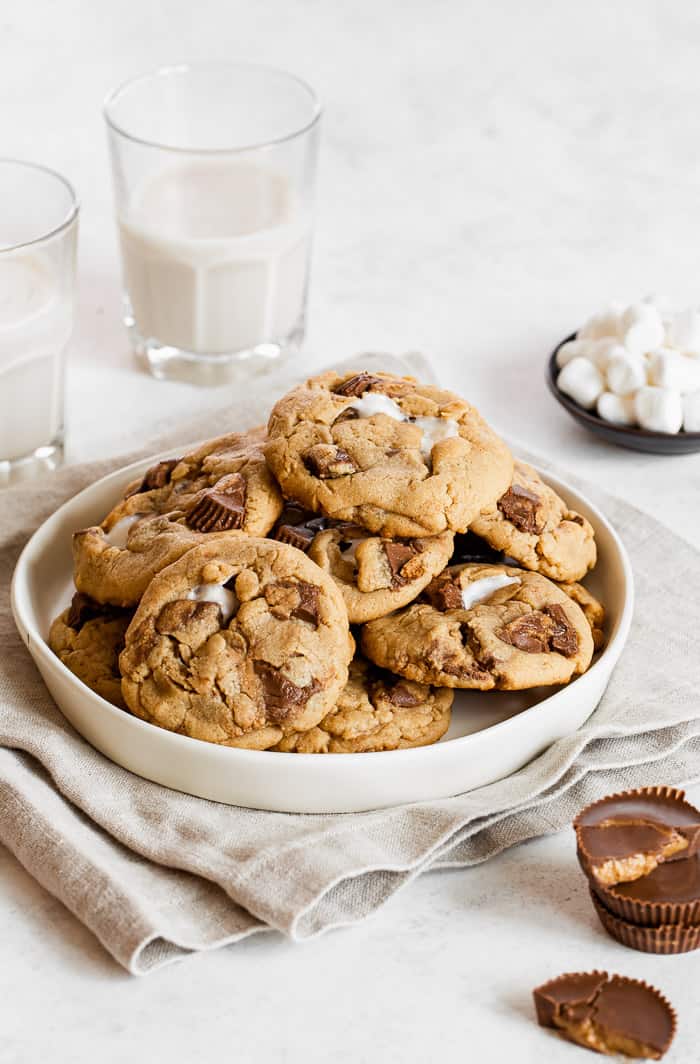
x,y
491,172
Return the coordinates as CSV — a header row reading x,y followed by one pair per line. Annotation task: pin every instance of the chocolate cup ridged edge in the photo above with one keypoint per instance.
x,y
666,940
659,791
643,913
627,979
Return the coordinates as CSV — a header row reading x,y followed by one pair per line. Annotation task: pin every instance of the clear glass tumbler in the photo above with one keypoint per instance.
x,y
214,171
38,240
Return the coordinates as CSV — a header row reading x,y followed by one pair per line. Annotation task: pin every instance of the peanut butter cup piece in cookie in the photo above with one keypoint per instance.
x,y
88,638
535,527
240,642
376,711
224,484
397,457
484,627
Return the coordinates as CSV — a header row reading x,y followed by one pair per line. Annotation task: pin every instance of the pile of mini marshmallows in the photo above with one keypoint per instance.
x,y
636,366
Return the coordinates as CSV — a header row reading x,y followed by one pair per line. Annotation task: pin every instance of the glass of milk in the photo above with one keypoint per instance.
x,y
214,171
38,237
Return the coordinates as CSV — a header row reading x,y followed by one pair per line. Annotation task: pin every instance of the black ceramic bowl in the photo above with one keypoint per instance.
x,y
623,435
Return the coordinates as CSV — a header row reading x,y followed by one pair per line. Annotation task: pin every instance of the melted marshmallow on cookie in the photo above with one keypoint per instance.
x,y
483,589
119,532
434,429
226,600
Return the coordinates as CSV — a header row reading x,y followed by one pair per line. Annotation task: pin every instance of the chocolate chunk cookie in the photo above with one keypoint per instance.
x,y
239,642
397,457
224,484
376,711
531,524
223,487
484,627
374,575
88,638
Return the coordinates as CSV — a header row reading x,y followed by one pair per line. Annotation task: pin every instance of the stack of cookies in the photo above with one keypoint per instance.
x,y
324,584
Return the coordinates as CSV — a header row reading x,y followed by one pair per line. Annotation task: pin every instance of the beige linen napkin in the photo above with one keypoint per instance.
x,y
156,874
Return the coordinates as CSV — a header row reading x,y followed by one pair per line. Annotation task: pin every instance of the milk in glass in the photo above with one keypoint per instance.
x,y
35,326
215,255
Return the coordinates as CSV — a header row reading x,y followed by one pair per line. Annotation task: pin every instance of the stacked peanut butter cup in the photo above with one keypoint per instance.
x,y
640,851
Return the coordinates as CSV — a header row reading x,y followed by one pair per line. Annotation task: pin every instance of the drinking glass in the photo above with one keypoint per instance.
x,y
214,171
38,239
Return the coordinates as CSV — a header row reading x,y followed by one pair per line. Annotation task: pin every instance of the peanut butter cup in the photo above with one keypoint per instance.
x,y
640,852
607,1014
667,939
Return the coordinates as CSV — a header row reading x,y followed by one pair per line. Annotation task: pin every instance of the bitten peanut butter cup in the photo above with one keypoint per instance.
x,y
607,1014
640,852
666,939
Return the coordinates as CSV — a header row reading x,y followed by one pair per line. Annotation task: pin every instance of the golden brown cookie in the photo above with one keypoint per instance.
x,y
222,488
376,711
533,525
593,610
484,627
395,456
375,575
88,638
239,642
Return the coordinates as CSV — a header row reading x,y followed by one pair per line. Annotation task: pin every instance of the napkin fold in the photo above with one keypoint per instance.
x,y
156,874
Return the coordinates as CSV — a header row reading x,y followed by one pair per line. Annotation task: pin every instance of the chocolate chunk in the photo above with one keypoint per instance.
x,y
444,593
307,610
520,506
83,609
189,621
282,697
607,1014
298,536
358,384
326,461
397,554
157,476
221,508
529,633
299,533
401,696
542,631
563,637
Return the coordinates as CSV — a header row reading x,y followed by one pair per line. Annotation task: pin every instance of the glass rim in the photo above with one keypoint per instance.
x,y
73,207
186,68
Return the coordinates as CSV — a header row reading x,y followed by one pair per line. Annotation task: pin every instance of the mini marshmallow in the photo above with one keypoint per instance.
x,y
596,351
572,349
691,412
641,328
683,332
601,352
659,409
626,372
671,369
602,325
582,381
617,409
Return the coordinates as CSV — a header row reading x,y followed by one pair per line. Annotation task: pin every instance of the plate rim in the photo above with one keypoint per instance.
x,y
37,644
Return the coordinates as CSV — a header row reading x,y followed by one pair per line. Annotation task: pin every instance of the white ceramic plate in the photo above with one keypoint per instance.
x,y
491,736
